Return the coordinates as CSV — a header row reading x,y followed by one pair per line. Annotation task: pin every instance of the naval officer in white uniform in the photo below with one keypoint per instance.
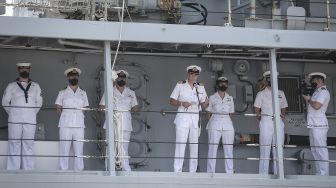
x,y
264,109
318,122
22,121
71,123
188,96
220,126
124,99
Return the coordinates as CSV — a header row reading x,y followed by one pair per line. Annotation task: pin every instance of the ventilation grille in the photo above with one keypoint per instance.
x,y
289,85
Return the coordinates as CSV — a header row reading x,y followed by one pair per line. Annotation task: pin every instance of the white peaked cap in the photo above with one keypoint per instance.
x,y
194,68
23,64
317,74
122,71
74,70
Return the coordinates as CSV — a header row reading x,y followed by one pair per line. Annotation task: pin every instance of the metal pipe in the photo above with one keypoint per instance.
x,y
109,105
331,116
266,59
229,21
234,57
186,55
292,3
239,50
79,44
328,16
240,5
276,12
105,10
92,10
276,110
307,60
252,9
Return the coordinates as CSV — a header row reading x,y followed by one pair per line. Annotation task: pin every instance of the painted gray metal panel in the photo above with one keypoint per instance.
x,y
163,72
160,180
164,33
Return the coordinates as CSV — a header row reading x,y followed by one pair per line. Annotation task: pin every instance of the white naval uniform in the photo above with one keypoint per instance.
x,y
187,124
124,101
71,125
318,129
21,123
220,126
267,131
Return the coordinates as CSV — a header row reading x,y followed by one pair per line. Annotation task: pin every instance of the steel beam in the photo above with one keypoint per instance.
x,y
109,106
276,113
166,33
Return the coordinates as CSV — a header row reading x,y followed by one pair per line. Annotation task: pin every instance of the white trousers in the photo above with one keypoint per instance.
x,y
71,133
214,137
266,140
20,131
318,137
181,139
126,135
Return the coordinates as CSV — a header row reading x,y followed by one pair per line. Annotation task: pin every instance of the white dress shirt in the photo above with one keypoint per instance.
x,y
15,96
224,106
67,98
183,92
264,101
124,101
317,118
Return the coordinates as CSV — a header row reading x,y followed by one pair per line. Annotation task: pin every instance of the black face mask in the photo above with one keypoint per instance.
x,y
24,74
313,86
222,87
121,83
268,82
73,81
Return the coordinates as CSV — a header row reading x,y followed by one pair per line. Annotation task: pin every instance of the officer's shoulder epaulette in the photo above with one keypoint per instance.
x,y
200,83
181,82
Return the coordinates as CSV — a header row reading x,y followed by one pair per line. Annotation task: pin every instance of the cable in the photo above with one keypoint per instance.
x,y
63,140
129,15
257,14
205,158
120,34
163,112
306,2
204,13
120,140
53,108
73,156
163,157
